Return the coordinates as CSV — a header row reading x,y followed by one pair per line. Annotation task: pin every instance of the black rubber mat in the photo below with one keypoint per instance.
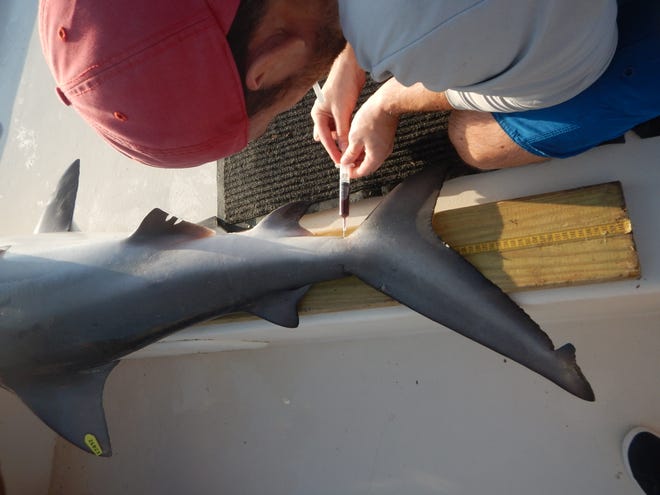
x,y
286,164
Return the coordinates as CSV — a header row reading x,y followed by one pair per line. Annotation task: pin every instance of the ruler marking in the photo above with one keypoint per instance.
x,y
548,238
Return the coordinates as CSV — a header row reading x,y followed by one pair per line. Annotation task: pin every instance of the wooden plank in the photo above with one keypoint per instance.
x,y
592,232
574,237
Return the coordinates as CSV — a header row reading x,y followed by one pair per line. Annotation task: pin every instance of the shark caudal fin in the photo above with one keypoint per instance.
x,y
397,251
58,215
570,374
71,404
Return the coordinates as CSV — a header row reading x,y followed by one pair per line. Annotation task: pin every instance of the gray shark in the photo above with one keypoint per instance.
x,y
72,307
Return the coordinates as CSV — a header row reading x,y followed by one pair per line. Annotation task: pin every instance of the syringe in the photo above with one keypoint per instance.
x,y
344,190
344,177
318,92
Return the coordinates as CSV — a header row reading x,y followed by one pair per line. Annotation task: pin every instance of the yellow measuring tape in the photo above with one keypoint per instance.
x,y
548,238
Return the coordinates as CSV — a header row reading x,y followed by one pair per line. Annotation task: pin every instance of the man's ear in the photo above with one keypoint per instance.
x,y
276,59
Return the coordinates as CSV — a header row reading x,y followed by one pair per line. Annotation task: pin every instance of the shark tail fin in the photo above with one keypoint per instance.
x,y
58,215
572,378
397,251
71,404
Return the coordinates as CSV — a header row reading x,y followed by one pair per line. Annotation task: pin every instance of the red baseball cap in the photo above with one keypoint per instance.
x,y
156,79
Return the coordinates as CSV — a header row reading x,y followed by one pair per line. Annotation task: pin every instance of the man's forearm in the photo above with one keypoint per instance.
x,y
397,99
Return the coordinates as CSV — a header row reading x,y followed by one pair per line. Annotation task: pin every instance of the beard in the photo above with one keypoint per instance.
x,y
329,43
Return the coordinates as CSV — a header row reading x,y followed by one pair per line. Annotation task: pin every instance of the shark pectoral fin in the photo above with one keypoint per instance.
x,y
71,404
279,308
3,249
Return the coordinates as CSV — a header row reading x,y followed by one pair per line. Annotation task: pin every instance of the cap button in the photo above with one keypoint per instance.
x,y
63,97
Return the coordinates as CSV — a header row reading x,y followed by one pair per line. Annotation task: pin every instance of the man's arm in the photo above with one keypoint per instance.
x,y
372,131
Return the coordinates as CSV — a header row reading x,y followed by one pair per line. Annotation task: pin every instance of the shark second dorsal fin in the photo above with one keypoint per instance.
x,y
280,308
58,215
283,222
158,224
71,404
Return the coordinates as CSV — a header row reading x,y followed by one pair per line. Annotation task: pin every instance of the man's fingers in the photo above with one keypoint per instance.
x,y
328,142
368,166
352,153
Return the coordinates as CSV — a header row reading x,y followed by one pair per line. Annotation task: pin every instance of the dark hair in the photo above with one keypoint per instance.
x,y
248,16
329,43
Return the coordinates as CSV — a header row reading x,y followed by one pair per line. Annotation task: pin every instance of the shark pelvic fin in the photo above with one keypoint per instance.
x,y
71,404
279,308
282,222
58,215
158,224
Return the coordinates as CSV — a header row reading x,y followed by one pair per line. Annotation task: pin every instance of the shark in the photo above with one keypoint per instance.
x,y
72,306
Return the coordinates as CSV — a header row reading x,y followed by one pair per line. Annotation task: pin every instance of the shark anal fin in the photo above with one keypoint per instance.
x,y
71,404
279,308
158,224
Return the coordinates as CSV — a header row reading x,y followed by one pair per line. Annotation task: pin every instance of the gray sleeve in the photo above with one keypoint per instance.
x,y
466,100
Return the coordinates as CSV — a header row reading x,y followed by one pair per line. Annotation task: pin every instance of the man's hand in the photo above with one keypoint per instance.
x,y
371,138
372,132
332,118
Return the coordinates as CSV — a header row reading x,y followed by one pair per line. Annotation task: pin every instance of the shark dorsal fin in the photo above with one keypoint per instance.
x,y
157,224
283,222
71,403
58,215
280,308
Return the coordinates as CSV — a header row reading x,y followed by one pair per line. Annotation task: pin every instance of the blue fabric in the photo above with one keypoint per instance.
x,y
627,94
